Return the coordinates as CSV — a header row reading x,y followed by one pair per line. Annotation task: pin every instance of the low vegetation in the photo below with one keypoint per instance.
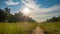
x,y
17,28
51,27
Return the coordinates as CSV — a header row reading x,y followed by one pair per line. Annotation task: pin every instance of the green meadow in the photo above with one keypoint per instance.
x,y
27,28
17,28
51,27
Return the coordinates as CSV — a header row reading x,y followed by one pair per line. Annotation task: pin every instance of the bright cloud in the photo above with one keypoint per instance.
x,y
38,13
31,4
10,2
43,17
42,12
46,10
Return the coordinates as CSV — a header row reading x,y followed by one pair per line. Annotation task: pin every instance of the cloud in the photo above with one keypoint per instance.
x,y
41,14
46,10
43,17
36,8
30,4
10,2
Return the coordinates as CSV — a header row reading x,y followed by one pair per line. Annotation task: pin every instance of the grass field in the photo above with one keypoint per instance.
x,y
26,28
51,28
17,28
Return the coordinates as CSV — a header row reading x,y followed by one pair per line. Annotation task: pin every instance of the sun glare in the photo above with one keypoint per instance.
x,y
26,10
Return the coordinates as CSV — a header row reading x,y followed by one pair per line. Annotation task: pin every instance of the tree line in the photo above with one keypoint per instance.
x,y
54,19
6,16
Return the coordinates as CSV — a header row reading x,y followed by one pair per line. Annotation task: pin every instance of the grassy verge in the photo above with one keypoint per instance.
x,y
16,28
51,28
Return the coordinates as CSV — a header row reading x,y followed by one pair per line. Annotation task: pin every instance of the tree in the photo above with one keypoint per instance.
x,y
54,19
17,17
2,16
7,14
7,10
59,18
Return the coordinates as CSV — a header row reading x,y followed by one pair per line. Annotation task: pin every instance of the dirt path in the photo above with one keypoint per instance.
x,y
37,30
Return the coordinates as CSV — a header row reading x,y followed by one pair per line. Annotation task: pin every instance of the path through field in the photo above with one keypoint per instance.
x,y
37,30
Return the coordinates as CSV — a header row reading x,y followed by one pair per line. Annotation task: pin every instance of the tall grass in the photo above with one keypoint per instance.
x,y
51,28
17,28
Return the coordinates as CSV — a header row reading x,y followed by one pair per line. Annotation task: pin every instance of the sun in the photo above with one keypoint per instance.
x,y
26,10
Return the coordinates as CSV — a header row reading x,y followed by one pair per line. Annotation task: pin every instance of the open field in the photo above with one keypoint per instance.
x,y
17,28
51,28
27,28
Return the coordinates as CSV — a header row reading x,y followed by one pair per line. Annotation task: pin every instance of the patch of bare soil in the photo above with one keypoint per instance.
x,y
37,30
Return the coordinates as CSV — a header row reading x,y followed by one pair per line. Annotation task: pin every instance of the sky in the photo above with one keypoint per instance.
x,y
40,10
